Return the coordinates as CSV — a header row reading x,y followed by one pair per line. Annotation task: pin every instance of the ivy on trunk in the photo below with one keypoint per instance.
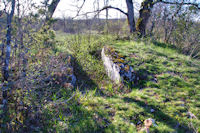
x,y
144,14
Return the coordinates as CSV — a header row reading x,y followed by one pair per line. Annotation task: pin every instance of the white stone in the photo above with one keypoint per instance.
x,y
117,72
112,69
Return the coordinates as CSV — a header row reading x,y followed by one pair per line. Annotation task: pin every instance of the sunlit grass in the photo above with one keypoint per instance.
x,y
168,100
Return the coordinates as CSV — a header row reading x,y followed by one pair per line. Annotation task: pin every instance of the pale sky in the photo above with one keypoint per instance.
x,y
68,8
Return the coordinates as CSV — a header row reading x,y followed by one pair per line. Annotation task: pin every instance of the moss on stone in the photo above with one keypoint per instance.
x,y
120,56
119,61
127,68
120,65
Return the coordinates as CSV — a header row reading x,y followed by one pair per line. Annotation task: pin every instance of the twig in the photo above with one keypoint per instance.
x,y
178,3
63,102
79,9
104,8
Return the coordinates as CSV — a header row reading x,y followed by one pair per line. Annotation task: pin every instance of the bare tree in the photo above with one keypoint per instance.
x,y
145,12
7,58
129,14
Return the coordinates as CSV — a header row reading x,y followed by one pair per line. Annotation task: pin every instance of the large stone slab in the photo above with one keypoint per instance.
x,y
112,69
117,69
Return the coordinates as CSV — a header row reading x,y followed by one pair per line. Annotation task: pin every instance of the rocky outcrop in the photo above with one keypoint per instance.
x,y
118,70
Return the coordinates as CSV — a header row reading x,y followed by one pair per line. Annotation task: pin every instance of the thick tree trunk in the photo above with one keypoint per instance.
x,y
51,9
131,19
144,14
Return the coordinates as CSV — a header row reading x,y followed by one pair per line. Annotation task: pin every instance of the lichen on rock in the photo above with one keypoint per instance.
x,y
116,67
112,69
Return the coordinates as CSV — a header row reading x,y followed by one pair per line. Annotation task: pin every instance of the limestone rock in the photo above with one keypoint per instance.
x,y
116,67
112,69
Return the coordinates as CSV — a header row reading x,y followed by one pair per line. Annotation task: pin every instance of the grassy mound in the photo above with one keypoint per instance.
x,y
168,91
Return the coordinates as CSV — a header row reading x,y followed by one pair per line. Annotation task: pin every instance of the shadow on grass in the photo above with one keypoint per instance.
x,y
164,45
142,77
83,79
169,46
77,118
159,115
159,54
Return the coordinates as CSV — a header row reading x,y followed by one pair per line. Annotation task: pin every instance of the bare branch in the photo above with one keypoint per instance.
x,y
111,7
104,8
80,8
179,3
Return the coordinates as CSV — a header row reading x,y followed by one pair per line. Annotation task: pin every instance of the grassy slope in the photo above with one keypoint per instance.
x,y
176,91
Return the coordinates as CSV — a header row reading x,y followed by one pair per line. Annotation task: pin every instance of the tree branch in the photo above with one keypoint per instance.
x,y
111,7
179,3
104,8
79,9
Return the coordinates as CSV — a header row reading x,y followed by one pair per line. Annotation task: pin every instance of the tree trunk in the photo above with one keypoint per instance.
x,y
2,54
151,29
165,25
131,20
144,14
51,9
21,40
8,41
106,4
7,58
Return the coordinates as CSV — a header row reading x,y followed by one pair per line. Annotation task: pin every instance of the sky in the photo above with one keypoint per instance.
x,y
68,8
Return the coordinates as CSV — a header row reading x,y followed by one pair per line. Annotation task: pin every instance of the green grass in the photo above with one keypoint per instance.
x,y
175,92
177,88
169,88
86,49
